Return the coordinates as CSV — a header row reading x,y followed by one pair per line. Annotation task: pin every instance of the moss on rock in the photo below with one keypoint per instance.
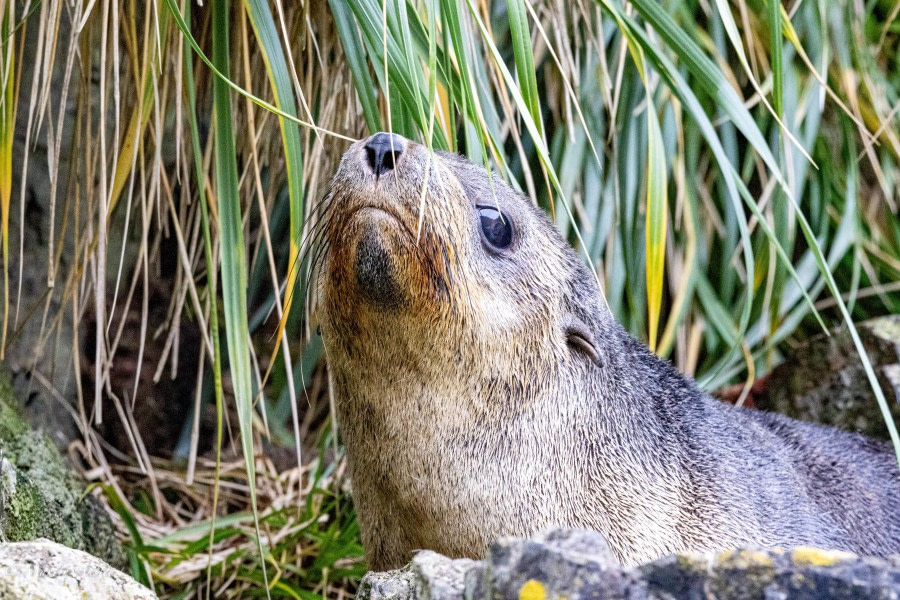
x,y
814,557
40,497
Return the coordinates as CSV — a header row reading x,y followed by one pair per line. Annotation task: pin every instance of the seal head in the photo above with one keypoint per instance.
x,y
417,235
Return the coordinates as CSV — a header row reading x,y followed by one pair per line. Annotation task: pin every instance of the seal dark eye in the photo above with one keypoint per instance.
x,y
496,227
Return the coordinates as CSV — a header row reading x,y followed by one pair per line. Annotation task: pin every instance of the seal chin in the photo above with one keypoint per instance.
x,y
374,262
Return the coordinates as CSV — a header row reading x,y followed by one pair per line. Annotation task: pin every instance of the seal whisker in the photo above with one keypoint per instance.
x,y
311,242
313,275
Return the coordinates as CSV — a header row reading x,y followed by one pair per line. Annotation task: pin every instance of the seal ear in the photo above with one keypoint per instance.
x,y
580,339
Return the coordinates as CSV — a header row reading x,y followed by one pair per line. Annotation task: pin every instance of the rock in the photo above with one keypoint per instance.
x,y
577,564
824,382
430,576
45,570
560,563
800,574
388,585
437,577
40,497
39,346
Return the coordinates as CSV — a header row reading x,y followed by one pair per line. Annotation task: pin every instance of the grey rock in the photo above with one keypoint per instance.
x,y
430,576
39,495
45,570
388,585
577,564
561,563
41,363
799,574
437,577
824,382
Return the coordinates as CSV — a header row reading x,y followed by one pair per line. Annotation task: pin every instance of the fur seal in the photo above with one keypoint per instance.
x,y
483,390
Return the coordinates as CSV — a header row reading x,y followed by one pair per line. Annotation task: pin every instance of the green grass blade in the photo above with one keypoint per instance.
x,y
776,58
234,267
657,218
711,80
212,272
524,57
657,203
263,24
734,37
356,59
736,189
7,135
266,32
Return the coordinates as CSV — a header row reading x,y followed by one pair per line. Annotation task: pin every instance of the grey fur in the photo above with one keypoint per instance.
x,y
468,415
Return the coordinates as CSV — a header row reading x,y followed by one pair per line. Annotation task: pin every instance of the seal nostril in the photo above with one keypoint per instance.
x,y
387,161
382,151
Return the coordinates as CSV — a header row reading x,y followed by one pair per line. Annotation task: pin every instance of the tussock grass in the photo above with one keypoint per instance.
x,y
305,517
729,168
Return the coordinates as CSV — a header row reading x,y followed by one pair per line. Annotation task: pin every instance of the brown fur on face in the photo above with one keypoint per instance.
x,y
484,393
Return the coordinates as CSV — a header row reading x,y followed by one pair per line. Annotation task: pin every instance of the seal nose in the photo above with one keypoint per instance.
x,y
382,151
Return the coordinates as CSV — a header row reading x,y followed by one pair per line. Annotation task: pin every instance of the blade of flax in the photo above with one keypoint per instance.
x,y
779,205
825,270
7,133
710,79
734,37
479,134
280,79
717,87
234,266
657,201
409,47
635,35
734,185
393,49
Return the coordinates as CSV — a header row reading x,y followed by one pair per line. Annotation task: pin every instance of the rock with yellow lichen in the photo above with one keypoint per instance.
x,y
576,564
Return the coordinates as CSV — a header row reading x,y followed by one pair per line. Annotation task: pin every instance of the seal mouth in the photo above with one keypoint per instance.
x,y
375,257
375,210
366,208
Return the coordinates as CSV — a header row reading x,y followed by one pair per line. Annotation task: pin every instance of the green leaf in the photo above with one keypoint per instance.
x,y
234,266
657,218
356,59
524,56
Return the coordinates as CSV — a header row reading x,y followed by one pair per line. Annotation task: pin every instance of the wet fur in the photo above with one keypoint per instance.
x,y
467,415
